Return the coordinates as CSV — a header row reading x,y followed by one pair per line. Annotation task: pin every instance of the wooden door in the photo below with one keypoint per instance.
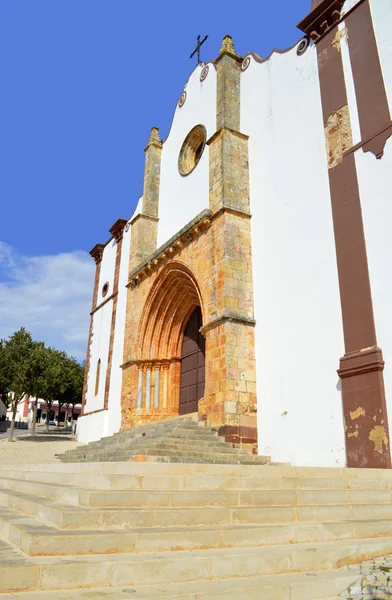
x,y
192,365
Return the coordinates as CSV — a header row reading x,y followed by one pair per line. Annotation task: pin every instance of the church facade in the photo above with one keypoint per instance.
x,y
252,283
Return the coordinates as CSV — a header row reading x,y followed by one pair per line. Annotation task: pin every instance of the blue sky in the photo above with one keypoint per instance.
x,y
83,82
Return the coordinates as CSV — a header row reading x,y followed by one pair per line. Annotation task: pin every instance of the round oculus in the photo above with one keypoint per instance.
x,y
192,150
105,289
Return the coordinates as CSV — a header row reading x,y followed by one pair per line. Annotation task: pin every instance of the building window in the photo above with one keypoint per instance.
x,y
192,150
105,289
97,377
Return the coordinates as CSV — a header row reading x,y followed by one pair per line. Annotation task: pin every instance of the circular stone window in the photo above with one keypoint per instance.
x,y
105,289
192,150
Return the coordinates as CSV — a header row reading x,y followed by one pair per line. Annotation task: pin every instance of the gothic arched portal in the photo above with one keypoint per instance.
x,y
171,348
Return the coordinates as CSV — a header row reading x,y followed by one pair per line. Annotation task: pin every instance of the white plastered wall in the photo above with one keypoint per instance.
x,y
113,423
94,426
99,349
182,198
381,11
299,337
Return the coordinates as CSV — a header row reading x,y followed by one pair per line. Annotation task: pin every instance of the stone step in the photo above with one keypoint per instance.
x,y
296,586
133,440
169,456
144,480
215,566
171,476
180,451
36,539
232,497
142,441
64,516
278,472
149,446
196,497
186,441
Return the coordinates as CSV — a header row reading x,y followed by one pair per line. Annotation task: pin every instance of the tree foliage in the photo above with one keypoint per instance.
x,y
30,368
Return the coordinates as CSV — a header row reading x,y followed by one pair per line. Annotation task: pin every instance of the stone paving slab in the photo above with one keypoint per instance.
x,y
283,587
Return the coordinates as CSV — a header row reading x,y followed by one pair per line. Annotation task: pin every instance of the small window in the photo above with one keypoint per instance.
x,y
105,289
97,377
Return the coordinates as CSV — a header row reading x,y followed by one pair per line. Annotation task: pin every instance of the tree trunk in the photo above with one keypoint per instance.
x,y
11,429
34,421
47,420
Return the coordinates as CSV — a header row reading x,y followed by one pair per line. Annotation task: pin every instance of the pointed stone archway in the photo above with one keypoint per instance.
x,y
169,342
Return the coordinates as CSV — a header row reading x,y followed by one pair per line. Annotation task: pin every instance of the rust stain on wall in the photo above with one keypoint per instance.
x,y
338,136
355,414
379,437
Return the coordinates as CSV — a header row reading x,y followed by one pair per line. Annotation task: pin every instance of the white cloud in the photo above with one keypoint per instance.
x,y
49,295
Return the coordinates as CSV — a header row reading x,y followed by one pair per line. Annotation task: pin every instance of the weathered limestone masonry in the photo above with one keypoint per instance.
x,y
232,407
207,264
144,225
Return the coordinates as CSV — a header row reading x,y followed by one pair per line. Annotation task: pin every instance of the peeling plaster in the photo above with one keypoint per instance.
x,y
355,414
378,436
342,33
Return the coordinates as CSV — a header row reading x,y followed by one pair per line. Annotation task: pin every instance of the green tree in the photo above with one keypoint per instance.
x,y
4,379
53,378
72,384
16,371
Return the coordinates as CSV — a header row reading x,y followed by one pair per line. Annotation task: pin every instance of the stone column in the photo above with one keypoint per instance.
x,y
165,366
140,388
156,386
145,225
148,386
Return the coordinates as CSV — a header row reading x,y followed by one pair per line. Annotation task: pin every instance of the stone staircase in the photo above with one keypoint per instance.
x,y
181,439
188,532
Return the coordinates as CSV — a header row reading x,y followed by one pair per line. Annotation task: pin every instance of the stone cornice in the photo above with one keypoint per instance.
x,y
321,19
232,317
97,252
227,53
360,362
143,215
224,130
151,363
117,229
